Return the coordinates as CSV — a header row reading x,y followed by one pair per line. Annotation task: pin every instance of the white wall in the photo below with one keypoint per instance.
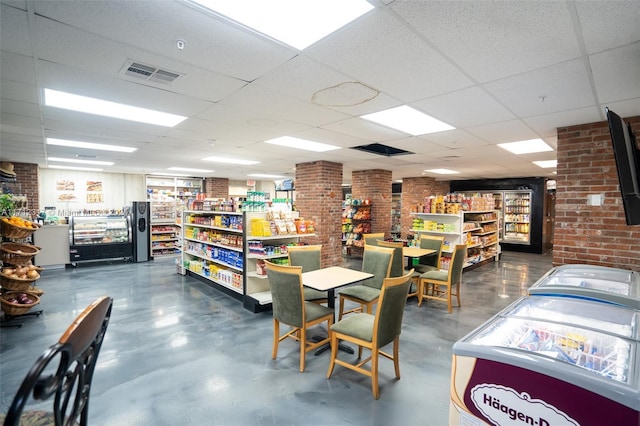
x,y
118,190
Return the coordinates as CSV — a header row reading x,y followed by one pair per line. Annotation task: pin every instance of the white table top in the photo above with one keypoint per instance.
x,y
332,277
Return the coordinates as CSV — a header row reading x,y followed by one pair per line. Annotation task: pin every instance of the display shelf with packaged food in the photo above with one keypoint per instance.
x,y
356,221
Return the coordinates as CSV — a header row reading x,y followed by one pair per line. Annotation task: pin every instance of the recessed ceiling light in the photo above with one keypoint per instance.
x,y
265,176
74,160
165,174
408,120
230,160
296,23
526,147
548,164
109,109
185,169
89,145
442,171
298,143
90,169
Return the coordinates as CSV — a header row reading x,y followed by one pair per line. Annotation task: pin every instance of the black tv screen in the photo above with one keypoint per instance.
x,y
627,157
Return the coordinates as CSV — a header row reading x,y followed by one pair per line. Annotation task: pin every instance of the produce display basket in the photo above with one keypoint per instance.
x,y
17,284
35,290
17,253
11,230
15,309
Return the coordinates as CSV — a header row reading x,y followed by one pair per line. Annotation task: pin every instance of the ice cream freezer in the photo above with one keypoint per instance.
x,y
549,361
601,283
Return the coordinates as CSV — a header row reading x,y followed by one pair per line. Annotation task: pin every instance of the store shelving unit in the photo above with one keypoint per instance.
x,y
517,217
356,220
477,229
396,224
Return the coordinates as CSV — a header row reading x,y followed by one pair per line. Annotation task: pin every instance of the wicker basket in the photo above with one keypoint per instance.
x,y
10,230
17,253
35,290
10,308
18,284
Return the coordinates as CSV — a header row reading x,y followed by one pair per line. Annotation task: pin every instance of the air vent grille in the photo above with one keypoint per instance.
x,y
149,73
380,149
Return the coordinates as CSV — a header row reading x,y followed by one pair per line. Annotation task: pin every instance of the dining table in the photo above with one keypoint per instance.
x,y
415,253
329,279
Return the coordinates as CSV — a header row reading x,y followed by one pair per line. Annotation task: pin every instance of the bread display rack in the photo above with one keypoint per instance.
x,y
19,294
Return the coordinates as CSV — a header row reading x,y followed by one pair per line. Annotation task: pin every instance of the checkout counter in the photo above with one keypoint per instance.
x,y
53,240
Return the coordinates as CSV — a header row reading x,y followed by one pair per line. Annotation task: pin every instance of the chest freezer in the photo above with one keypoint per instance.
x,y
601,283
549,361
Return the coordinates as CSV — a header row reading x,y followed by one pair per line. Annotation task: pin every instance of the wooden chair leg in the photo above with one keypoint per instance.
x,y
341,310
420,291
334,353
449,309
276,338
303,347
374,373
458,294
396,355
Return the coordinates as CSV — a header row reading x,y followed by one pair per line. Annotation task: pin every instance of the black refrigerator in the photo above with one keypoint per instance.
x,y
140,222
522,204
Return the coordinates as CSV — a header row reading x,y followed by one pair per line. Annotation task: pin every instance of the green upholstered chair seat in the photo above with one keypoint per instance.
x,y
361,292
359,326
436,275
313,311
421,269
311,294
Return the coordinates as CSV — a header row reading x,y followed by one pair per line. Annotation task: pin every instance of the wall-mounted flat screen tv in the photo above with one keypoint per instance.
x,y
627,157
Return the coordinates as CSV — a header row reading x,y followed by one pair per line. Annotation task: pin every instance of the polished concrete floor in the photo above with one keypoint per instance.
x,y
178,352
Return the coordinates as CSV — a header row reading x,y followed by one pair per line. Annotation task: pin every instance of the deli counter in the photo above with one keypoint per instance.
x,y
100,238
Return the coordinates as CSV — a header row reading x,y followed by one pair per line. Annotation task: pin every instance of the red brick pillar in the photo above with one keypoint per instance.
x,y
27,177
319,198
216,187
414,191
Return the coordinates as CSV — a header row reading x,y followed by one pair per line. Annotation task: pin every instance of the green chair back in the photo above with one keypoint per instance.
x,y
309,257
372,239
376,261
457,264
393,298
397,265
431,243
286,293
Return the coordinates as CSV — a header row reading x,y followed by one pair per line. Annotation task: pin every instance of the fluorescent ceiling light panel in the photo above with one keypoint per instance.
x,y
265,176
526,147
109,109
165,174
294,22
75,160
89,145
408,120
442,171
549,164
230,160
90,169
298,143
185,169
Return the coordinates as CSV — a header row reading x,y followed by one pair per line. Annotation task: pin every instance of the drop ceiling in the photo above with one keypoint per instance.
x,y
496,71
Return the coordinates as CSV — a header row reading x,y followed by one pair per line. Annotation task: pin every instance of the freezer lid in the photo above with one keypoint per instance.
x,y
593,282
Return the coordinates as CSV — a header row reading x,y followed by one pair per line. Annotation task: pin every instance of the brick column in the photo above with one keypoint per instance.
x,y
414,191
27,178
216,187
319,198
595,235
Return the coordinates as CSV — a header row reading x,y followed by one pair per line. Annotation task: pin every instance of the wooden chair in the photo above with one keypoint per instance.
x,y
377,261
441,285
397,265
64,371
430,262
374,332
372,239
290,308
310,258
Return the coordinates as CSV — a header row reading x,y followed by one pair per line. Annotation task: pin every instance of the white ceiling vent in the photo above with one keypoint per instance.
x,y
148,72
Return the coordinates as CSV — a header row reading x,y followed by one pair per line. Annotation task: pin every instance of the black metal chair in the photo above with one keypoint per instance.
x,y
64,371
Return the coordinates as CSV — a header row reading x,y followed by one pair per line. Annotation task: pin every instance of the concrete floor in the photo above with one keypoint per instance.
x,y
178,352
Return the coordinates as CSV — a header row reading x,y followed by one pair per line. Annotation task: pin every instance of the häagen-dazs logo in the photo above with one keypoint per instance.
x,y
505,406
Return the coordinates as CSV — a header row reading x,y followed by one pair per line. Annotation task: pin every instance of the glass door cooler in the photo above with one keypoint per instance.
x,y
549,361
100,238
517,217
600,283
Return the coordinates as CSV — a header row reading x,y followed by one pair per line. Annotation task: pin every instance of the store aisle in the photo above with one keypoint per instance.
x,y
178,352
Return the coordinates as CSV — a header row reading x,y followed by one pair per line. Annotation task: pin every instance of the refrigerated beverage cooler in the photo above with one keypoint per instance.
x,y
516,217
549,361
591,282
100,238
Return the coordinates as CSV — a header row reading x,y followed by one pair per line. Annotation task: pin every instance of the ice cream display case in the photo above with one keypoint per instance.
x,y
601,283
549,361
100,238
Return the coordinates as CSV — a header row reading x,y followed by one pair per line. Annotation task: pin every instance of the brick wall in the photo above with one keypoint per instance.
x,y
27,177
595,235
375,185
319,197
216,187
414,191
